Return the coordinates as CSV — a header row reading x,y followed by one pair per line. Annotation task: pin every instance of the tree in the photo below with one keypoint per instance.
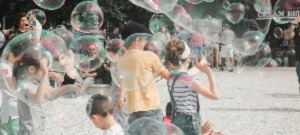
x,y
116,12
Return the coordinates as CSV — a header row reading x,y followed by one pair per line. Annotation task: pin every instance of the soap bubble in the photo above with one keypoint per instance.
x,y
130,79
282,6
259,60
87,17
278,33
156,45
161,5
65,34
194,1
89,53
263,6
162,26
146,126
235,13
36,14
226,4
49,4
115,49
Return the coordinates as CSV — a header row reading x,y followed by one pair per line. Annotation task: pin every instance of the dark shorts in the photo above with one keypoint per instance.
x,y
298,71
155,114
189,124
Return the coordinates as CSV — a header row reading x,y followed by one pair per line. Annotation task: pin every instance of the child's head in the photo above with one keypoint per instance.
x,y
135,34
99,108
177,53
17,49
27,66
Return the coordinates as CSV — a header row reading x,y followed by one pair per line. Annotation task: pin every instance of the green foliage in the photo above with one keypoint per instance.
x,y
116,12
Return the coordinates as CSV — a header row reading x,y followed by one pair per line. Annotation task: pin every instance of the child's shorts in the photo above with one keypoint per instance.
x,y
11,127
226,51
189,124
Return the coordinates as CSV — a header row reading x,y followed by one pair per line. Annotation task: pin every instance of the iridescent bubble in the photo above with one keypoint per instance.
x,y
123,76
254,39
194,1
241,46
282,6
87,17
82,62
263,6
235,13
144,5
115,49
38,15
146,125
65,34
156,45
226,4
162,5
49,4
162,26
88,49
278,33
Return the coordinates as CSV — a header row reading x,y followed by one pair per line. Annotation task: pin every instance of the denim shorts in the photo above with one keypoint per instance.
x,y
155,114
189,124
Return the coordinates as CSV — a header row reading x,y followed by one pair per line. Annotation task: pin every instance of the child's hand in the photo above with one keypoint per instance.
x,y
205,69
120,102
206,128
44,69
57,77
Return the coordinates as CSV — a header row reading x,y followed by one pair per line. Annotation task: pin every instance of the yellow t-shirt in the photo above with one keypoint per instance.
x,y
138,70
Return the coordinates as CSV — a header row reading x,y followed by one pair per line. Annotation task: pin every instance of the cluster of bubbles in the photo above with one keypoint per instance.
x,y
61,54
190,19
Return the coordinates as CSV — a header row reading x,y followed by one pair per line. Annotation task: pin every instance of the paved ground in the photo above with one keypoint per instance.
x,y
252,102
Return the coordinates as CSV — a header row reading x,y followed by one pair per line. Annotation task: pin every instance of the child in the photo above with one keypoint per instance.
x,y
184,88
33,88
9,112
100,111
142,64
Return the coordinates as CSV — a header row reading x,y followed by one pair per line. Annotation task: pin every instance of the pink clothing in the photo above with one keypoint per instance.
x,y
197,39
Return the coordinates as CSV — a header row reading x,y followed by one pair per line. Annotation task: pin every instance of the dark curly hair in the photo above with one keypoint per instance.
x,y
174,49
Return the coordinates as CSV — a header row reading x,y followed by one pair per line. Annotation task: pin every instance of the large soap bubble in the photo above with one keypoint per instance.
x,y
162,5
283,6
87,17
65,34
49,4
38,15
146,126
89,53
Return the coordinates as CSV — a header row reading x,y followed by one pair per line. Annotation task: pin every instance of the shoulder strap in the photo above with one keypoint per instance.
x,y
171,93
